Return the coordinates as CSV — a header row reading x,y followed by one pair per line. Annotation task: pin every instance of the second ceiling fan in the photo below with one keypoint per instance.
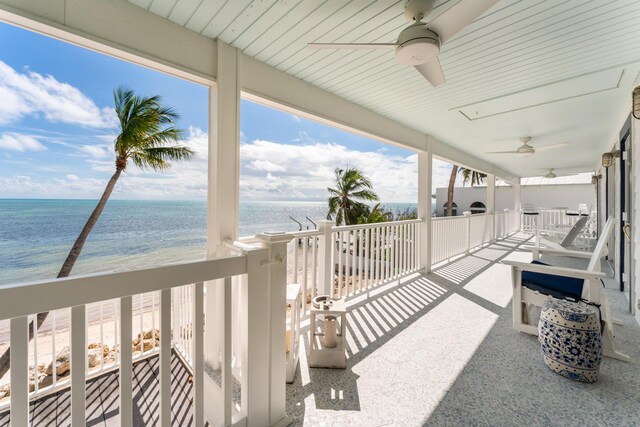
x,y
419,43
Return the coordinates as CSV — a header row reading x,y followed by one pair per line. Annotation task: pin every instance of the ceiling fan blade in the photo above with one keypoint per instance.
x,y
458,17
432,71
550,147
352,45
501,152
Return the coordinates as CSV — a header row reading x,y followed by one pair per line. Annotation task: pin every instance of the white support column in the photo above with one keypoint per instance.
x,y
491,203
223,185
256,345
277,284
325,246
425,165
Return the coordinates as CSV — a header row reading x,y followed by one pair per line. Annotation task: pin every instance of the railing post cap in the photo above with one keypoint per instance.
x,y
271,238
325,221
466,213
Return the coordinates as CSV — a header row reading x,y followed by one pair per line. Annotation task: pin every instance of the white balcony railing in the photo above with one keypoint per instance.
x,y
550,219
358,258
176,295
345,262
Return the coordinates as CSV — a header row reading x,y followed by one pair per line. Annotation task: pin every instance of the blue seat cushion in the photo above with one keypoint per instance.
x,y
552,285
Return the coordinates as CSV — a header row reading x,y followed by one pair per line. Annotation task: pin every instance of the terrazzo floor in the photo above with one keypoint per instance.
x,y
439,350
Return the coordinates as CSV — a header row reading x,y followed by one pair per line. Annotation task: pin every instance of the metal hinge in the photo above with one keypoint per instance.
x,y
624,216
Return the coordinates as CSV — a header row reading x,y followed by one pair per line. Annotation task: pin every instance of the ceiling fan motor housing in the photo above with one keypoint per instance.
x,y
417,45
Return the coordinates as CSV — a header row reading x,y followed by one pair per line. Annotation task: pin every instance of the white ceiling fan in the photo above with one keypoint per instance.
x,y
526,150
419,43
552,174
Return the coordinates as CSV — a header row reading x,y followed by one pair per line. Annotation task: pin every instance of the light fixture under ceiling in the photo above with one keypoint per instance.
x,y
636,103
607,158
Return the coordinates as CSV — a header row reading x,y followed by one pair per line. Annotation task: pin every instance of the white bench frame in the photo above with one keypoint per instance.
x,y
524,299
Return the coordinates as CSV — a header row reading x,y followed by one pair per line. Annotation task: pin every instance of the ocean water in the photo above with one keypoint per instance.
x,y
36,235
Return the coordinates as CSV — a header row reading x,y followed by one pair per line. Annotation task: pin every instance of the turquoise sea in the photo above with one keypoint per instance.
x,y
36,235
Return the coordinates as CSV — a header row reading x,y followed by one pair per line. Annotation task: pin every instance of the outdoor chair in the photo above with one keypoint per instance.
x,y
567,236
536,282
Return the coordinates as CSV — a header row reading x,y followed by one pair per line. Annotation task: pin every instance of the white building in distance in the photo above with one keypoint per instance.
x,y
562,192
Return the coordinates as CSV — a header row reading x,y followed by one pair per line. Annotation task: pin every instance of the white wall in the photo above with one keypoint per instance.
x,y
540,196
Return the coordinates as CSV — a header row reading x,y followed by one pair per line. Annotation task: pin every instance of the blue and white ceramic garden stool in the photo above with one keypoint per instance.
x,y
571,341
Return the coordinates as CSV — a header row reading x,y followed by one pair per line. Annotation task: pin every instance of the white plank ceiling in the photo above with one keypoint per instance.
x,y
517,46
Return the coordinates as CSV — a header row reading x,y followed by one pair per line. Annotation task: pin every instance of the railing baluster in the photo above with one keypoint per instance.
x,y
19,355
153,320
54,372
375,256
295,260
305,260
227,383
102,335
314,277
165,357
115,326
35,353
360,274
140,306
198,354
78,364
379,255
367,260
348,277
126,367
340,272
387,253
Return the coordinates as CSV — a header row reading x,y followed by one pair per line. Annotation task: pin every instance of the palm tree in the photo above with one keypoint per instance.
x,y
147,137
347,200
469,175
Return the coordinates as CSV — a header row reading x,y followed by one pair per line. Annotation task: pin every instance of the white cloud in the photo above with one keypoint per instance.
x,y
96,151
20,142
31,93
265,165
304,171
269,171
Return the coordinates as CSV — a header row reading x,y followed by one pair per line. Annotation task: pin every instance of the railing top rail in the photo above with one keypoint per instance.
x,y
375,224
480,215
306,233
22,299
449,218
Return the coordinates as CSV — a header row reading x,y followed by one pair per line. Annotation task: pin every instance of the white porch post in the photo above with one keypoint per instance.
x,y
276,321
491,203
223,185
425,165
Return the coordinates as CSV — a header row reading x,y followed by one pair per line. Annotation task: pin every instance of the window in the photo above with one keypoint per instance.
x,y
454,209
478,208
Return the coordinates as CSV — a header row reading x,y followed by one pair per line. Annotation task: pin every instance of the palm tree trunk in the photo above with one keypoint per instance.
x,y
452,183
69,262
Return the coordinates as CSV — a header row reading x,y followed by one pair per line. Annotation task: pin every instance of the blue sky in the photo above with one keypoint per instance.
x,y
57,126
